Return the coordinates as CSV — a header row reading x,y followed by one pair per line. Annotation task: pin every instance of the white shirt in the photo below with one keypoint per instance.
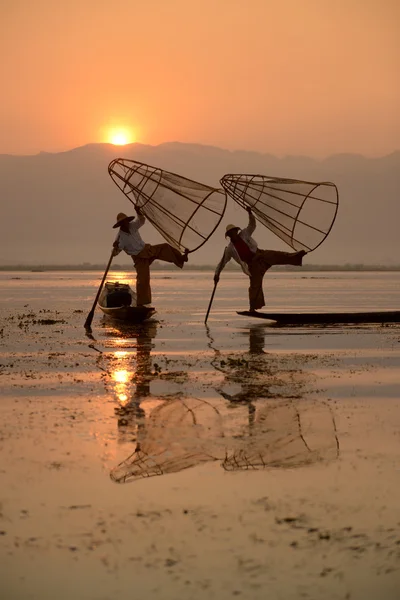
x,y
231,252
131,242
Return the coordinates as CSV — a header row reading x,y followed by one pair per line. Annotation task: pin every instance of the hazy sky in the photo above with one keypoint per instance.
x,y
281,76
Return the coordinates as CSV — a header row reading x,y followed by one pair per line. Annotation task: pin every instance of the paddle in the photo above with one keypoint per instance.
x,y
90,316
211,299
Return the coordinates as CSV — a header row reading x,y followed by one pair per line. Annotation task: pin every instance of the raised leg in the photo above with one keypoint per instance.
x,y
169,254
276,257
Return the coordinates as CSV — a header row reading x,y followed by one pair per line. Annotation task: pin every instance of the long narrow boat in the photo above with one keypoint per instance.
x,y
118,301
378,317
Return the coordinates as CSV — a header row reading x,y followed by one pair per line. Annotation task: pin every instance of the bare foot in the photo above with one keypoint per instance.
x,y
185,255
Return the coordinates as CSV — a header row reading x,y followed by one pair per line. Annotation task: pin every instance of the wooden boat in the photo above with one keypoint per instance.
x,y
118,300
326,318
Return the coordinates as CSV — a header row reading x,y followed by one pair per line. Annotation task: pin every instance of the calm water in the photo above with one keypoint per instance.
x,y
211,408
45,351
188,293
181,300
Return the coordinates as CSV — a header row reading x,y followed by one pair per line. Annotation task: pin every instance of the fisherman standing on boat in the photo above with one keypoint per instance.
x,y
253,261
129,240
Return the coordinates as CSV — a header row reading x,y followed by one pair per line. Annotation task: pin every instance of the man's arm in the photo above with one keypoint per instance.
x,y
252,222
116,247
226,257
140,221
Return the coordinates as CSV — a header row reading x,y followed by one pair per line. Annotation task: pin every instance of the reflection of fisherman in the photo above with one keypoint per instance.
x,y
129,240
131,414
253,261
144,365
251,389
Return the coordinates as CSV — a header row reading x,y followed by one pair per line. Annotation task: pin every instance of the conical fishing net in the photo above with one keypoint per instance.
x,y
185,212
301,213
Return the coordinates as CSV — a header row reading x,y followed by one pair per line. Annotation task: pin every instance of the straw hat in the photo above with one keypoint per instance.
x,y
229,228
120,218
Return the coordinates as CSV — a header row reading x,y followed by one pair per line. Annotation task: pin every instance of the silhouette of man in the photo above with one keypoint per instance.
x,y
253,261
129,240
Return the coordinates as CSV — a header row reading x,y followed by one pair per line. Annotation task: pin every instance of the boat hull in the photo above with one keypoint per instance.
x,y
379,317
118,301
130,314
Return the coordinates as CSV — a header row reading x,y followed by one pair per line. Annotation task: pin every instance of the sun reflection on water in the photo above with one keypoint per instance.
x,y
120,376
129,373
120,277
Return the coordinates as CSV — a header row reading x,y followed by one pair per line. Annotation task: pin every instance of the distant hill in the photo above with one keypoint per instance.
x,y
59,208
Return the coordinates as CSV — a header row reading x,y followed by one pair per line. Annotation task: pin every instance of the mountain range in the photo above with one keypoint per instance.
x,y
59,208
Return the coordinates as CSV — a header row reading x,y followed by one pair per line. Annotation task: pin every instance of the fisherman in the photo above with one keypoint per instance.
x,y
253,261
129,240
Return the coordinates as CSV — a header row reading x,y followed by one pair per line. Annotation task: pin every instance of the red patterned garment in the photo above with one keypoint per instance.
x,y
246,255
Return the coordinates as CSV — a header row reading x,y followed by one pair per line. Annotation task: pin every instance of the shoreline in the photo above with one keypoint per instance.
x,y
202,268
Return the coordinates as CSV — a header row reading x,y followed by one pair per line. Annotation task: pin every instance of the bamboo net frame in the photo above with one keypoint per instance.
x,y
184,211
301,213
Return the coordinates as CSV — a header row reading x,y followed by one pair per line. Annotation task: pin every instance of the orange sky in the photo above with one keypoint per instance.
x,y
309,77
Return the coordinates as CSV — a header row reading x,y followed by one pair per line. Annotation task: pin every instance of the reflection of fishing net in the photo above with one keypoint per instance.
x,y
181,433
286,435
301,213
185,212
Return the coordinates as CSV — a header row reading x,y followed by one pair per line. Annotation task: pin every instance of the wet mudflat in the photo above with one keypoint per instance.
x,y
173,460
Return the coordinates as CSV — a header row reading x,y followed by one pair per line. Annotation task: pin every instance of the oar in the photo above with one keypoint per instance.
x,y
211,300
90,316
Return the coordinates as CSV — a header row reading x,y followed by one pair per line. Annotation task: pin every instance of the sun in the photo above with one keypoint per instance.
x,y
120,136
119,139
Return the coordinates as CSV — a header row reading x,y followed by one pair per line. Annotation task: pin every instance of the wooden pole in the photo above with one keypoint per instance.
x,y
211,300
90,316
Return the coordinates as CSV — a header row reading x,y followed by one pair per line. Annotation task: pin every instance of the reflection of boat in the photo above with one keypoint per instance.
x,y
327,318
127,371
118,300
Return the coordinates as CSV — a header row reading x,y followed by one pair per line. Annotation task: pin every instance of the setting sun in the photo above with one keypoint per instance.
x,y
120,137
